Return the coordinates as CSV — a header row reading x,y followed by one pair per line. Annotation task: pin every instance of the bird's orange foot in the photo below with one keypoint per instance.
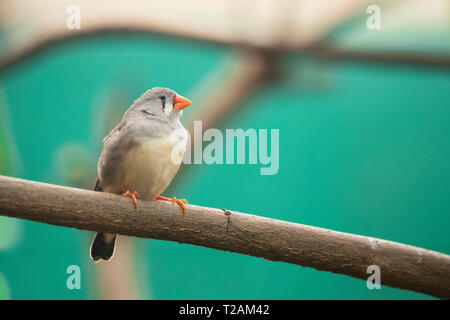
x,y
133,195
180,202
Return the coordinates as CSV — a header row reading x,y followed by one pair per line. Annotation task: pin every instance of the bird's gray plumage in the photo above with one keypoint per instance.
x,y
145,119
136,153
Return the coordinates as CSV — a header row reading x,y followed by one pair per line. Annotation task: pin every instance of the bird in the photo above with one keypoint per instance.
x,y
141,155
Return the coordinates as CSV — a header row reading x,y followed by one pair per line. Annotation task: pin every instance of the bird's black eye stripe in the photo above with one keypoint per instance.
x,y
163,101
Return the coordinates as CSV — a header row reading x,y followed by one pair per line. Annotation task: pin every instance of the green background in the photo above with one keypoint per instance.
x,y
364,148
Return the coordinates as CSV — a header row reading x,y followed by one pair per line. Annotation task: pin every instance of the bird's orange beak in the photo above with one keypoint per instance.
x,y
180,102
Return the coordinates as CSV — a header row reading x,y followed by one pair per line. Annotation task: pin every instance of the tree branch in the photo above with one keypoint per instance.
x,y
402,266
12,59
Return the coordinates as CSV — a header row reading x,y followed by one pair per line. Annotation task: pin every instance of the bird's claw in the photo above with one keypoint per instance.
x,y
133,195
180,202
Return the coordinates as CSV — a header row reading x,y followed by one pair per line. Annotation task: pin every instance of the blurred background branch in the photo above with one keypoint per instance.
x,y
286,26
318,49
401,266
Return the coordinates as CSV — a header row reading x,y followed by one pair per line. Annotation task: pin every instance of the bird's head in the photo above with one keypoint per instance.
x,y
161,103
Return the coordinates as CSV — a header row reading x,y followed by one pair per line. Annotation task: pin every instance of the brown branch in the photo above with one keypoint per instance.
x,y
402,266
12,59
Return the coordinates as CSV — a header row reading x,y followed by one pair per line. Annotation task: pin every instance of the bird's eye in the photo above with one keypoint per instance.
x,y
163,101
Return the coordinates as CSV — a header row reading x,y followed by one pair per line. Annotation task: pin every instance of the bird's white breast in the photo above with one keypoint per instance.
x,y
150,166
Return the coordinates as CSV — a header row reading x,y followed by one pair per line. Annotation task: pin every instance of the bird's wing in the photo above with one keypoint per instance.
x,y
97,185
114,132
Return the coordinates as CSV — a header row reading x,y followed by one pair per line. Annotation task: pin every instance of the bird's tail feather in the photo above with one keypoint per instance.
x,y
103,246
